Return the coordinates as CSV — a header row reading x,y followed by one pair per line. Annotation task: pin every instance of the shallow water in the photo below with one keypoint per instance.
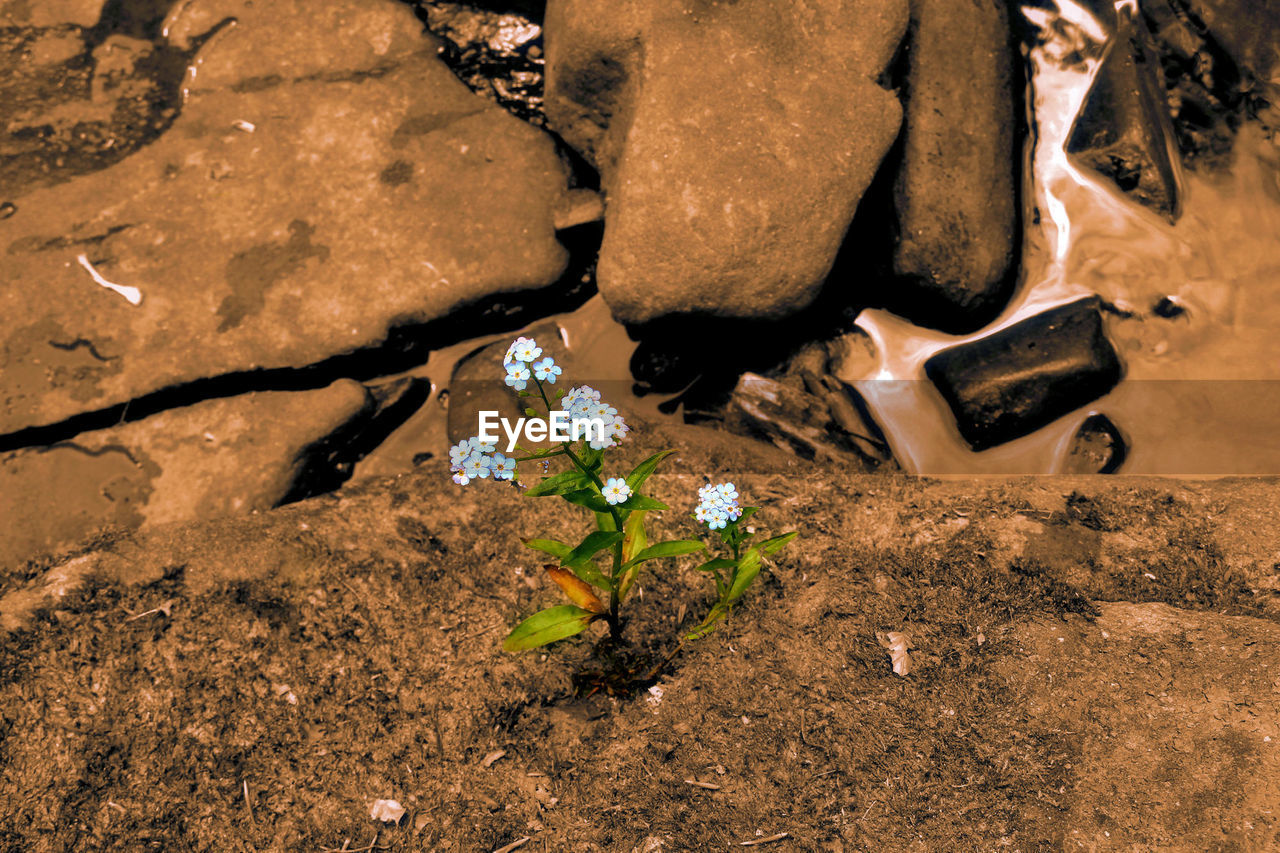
x,y
1202,388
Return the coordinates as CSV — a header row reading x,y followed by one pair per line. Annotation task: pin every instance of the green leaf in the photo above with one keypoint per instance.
x,y
559,550
604,521
716,564
548,626
642,471
674,548
643,502
595,542
635,539
747,512
748,568
631,568
589,573
776,543
562,483
589,498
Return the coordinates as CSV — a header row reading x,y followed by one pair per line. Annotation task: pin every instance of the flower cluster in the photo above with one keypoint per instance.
x,y
717,505
583,405
521,363
474,459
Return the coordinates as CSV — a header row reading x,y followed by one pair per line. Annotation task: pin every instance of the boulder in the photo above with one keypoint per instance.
x,y
328,180
215,458
734,141
956,193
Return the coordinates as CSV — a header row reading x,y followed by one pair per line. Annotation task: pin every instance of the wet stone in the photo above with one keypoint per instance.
x,y
328,182
1123,131
1168,307
817,422
1011,383
734,142
1206,90
332,460
476,384
1097,448
956,191
215,458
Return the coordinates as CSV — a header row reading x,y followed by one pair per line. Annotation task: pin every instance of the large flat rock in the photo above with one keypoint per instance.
x,y
328,179
219,457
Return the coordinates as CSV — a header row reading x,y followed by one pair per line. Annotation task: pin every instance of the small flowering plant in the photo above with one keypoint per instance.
x,y
719,509
619,506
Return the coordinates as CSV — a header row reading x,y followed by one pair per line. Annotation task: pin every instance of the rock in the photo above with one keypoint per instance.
x,y
734,141
218,457
476,383
821,422
1124,131
1011,383
391,403
49,13
956,194
327,181
1098,448
497,54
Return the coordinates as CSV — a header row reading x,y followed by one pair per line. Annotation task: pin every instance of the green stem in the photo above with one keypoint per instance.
x,y
615,625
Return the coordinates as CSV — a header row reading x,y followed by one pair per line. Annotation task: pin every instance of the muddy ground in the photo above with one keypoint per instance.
x,y
1096,668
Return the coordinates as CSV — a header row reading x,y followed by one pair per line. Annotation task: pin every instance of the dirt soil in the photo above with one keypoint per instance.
x,y
256,683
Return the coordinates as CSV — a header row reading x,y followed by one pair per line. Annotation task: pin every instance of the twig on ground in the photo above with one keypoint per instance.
x,y
518,843
710,786
247,804
347,848
166,608
653,673
769,840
